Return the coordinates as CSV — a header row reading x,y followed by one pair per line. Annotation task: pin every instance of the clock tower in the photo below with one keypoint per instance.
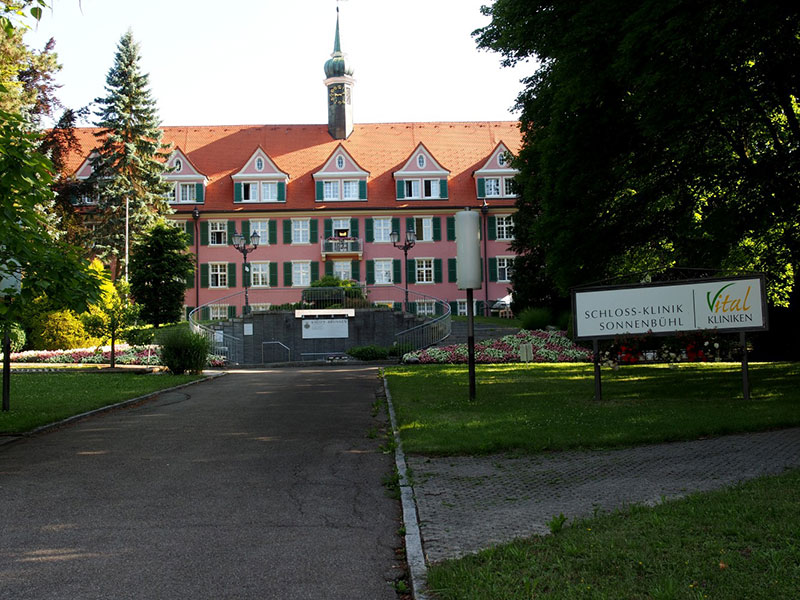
x,y
339,82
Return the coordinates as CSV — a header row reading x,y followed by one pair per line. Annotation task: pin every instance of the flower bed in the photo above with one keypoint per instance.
x,y
125,355
548,346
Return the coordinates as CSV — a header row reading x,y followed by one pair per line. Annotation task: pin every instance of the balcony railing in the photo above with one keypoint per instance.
x,y
341,246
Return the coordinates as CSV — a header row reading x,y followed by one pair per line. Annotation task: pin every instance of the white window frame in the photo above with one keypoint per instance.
x,y
350,189
508,187
461,307
381,229
218,312
507,268
301,273
301,231
423,267
220,228
426,308
191,193
262,227
384,271
504,227
345,268
250,191
330,190
259,164
269,191
260,306
434,187
492,187
423,227
259,274
412,188
218,275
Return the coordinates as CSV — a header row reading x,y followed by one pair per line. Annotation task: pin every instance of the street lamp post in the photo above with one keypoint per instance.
x,y
411,240
196,217
241,244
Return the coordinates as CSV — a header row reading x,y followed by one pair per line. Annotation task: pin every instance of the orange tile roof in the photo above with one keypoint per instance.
x,y
300,150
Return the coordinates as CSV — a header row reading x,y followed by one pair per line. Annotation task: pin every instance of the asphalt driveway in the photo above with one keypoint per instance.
x,y
260,484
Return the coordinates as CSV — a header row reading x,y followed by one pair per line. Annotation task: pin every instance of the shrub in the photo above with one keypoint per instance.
x,y
139,336
533,318
400,349
60,330
183,351
17,337
368,353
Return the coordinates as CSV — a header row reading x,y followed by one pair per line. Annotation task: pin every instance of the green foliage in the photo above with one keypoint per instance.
x,y
368,352
536,318
556,524
654,134
138,336
159,270
128,165
109,318
60,330
183,351
16,336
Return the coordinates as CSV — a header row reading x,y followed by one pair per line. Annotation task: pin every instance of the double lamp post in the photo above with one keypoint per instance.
x,y
245,246
411,240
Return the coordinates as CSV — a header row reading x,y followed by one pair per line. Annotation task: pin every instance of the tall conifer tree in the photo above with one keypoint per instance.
x,y
128,164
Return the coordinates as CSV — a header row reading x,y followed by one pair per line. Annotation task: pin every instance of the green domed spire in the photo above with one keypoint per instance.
x,y
337,65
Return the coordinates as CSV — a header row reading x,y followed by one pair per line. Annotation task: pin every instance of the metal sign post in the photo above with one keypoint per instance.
x,y
468,277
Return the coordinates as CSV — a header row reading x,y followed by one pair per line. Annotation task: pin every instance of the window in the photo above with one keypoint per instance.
x,y
423,227
186,192
218,312
430,188
350,189
259,164
505,267
424,270
178,165
218,233
218,275
339,224
330,190
259,274
501,159
340,162
421,161
260,306
249,192
381,228
301,232
260,226
462,308
269,191
426,308
383,271
505,228
492,186
342,269
412,188
510,186
301,274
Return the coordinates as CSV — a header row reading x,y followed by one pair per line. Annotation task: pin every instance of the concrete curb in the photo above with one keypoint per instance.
x,y
414,554
11,438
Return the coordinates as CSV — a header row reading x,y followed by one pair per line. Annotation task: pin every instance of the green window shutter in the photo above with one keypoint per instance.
x,y
410,226
492,225
362,189
328,267
328,228
412,308
313,235
320,190
370,272
246,274
273,274
190,280
411,272
452,272
437,270
354,227
189,229
189,309
480,307
396,224
401,190
287,274
231,275
443,188
231,311
369,232
437,229
199,193
451,229
492,269
204,233
287,231
204,275
397,306
397,271
314,270
237,192
246,230
231,231
355,270
281,191
205,314
453,307
272,227
481,187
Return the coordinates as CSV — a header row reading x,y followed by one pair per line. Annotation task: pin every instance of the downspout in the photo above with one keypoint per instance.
x,y
196,217
485,234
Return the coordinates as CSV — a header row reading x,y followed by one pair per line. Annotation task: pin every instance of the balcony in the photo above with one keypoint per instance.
x,y
341,247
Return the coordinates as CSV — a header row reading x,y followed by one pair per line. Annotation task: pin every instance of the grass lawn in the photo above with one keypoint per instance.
x,y
739,543
38,399
537,407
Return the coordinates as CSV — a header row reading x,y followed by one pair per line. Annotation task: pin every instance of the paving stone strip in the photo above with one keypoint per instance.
x,y
470,503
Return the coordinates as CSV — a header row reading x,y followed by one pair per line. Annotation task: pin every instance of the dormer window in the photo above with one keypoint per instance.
x,y
188,184
340,178
260,180
495,179
421,177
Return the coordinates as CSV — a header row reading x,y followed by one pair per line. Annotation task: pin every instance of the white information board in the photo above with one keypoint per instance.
x,y
325,328
734,304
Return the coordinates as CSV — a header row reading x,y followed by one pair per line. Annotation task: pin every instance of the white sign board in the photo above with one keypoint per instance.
x,y
734,304
325,328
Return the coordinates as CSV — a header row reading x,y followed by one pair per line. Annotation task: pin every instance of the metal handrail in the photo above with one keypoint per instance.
x,y
220,343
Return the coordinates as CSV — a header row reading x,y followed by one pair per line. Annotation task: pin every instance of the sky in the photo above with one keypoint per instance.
x,y
261,61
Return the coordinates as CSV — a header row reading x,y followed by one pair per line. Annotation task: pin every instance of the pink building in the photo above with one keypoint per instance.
x,y
326,198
